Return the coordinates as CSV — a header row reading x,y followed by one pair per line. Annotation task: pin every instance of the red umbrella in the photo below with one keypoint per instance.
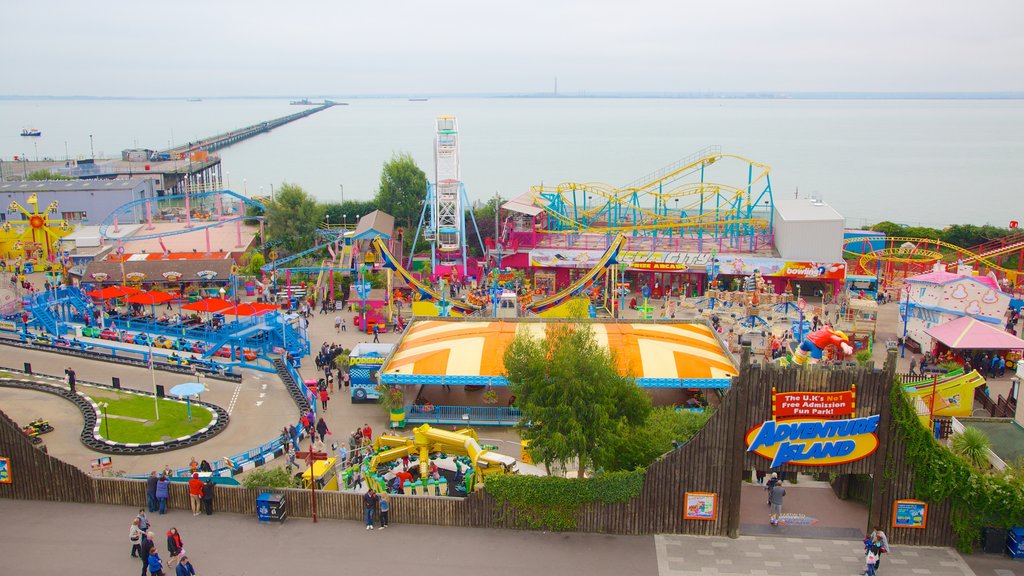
x,y
250,309
111,292
152,298
208,305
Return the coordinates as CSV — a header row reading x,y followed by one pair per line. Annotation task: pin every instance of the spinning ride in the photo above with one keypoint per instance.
x,y
39,238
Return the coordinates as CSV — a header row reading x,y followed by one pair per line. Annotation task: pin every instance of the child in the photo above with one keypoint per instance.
x,y
870,559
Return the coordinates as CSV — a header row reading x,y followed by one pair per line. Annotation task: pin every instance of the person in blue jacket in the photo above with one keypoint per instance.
x,y
162,487
156,565
185,568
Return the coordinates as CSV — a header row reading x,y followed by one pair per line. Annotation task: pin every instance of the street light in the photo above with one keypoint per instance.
x,y
106,420
92,151
342,193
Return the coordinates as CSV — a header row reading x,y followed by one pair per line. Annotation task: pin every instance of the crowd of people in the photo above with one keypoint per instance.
x,y
142,538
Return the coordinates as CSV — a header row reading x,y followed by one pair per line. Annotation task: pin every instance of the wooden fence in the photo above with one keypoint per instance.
x,y
714,460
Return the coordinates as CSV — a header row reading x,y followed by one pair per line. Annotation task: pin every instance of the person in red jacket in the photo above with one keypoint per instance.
x,y
324,397
175,546
367,434
195,494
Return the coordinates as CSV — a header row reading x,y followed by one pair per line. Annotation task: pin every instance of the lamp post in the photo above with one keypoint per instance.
x,y
106,420
92,151
906,320
342,193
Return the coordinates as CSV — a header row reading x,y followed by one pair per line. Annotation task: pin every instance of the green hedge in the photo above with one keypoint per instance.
x,y
978,499
552,502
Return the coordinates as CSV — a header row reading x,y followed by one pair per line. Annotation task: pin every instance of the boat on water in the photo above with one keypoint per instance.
x,y
194,100
418,99
31,132
303,102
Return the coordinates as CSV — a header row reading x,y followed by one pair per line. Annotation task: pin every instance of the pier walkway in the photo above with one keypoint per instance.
x,y
228,138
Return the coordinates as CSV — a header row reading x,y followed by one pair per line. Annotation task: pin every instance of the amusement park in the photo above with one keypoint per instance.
x,y
728,313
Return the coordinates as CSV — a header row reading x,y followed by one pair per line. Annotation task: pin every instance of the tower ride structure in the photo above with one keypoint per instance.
x,y
446,201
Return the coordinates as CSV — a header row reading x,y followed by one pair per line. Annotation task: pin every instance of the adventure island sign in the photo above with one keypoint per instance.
x,y
808,429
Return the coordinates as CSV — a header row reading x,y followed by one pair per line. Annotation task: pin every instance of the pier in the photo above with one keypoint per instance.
x,y
226,139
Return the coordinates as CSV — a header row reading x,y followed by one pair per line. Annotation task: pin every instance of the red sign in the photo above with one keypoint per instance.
x,y
1013,223
813,404
673,266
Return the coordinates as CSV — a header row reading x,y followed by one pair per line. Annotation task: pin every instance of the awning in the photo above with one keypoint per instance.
x,y
208,305
111,292
153,297
968,333
247,309
522,204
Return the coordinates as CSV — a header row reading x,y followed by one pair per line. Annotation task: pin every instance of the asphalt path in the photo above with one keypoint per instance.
x,y
87,539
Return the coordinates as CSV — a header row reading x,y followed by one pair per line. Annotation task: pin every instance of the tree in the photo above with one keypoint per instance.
x,y
293,217
638,446
46,175
571,394
403,189
252,262
348,212
973,445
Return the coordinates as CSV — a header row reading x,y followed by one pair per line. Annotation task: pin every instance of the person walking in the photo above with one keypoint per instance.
x,y
143,521
772,481
151,502
324,396
154,563
185,567
775,496
208,488
321,429
369,507
175,547
913,366
134,535
376,334
146,545
344,325
195,493
162,490
872,554
385,507
878,538
337,324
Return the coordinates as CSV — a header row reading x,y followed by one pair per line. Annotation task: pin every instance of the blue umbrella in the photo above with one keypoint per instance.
x,y
188,390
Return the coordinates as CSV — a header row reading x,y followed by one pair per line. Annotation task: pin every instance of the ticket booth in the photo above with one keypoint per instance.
x,y
323,473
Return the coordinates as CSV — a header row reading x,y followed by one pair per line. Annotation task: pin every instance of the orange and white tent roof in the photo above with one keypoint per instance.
x,y
657,355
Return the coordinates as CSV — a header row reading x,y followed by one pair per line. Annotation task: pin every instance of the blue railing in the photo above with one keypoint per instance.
x,y
468,415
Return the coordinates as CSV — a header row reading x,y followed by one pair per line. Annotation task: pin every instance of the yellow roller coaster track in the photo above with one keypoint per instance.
x,y
651,186
918,255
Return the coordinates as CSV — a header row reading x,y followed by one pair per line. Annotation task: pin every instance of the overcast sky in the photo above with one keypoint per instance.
x,y
303,47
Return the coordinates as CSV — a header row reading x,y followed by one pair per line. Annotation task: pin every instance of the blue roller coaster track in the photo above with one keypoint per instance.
x,y
132,210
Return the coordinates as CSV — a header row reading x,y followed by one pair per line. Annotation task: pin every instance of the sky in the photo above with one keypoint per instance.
x,y
347,48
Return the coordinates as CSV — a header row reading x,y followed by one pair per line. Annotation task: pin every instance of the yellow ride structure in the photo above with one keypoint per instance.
x,y
37,236
427,439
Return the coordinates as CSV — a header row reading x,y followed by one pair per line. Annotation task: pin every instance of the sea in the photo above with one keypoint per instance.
x,y
921,162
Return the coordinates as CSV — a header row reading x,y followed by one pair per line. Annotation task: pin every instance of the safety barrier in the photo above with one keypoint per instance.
x,y
464,415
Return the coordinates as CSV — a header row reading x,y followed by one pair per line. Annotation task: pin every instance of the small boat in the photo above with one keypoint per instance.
x,y
418,99
194,100
31,132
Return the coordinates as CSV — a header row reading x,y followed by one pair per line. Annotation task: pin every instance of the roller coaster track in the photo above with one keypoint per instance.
x,y
129,209
621,209
924,254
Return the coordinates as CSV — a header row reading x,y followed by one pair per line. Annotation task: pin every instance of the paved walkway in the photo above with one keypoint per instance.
x,y
750,555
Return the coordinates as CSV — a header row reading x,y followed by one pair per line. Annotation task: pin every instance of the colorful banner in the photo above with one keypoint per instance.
x,y
700,506
909,514
729,264
813,404
5,471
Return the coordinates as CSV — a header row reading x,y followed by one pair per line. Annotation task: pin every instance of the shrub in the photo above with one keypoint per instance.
x,y
269,478
551,502
972,445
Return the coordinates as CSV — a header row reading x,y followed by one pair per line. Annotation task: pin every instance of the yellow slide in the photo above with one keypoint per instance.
x,y
954,396
608,259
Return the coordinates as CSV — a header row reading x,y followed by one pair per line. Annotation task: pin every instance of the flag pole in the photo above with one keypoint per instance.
x,y
152,372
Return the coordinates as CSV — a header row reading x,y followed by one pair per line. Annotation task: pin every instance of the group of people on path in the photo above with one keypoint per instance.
x,y
144,548
372,502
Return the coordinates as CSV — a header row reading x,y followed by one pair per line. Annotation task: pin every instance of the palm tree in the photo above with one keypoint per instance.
x,y
973,445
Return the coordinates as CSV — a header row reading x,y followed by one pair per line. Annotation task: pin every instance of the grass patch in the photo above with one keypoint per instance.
x,y
139,424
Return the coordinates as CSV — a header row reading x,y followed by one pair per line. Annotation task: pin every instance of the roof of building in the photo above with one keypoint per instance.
x,y
154,270
658,355
71,185
522,204
947,277
806,210
375,223
968,333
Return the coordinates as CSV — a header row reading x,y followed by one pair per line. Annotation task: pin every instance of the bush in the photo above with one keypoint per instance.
x,y
863,357
269,478
972,445
638,446
551,502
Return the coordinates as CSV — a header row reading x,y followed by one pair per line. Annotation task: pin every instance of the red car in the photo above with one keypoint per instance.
x,y
225,352
109,334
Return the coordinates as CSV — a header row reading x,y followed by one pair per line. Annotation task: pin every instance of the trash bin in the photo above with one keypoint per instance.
x,y
993,540
28,267
263,507
276,504
1015,543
